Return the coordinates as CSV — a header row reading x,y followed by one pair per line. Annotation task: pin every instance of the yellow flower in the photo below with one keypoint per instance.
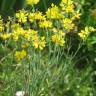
x,y
76,16
86,32
17,31
21,16
35,38
31,17
45,24
58,37
42,43
39,43
83,34
62,42
15,37
30,34
20,55
36,16
33,32
54,12
69,8
60,32
58,40
5,36
31,2
55,30
27,36
68,24
25,45
39,16
92,29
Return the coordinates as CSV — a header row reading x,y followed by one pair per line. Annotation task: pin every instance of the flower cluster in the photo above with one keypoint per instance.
x,y
86,32
35,29
54,12
58,37
67,6
20,54
21,16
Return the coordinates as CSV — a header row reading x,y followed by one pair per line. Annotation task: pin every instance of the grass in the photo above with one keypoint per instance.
x,y
53,74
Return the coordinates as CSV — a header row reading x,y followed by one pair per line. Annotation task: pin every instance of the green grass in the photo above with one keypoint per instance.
x,y
55,74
